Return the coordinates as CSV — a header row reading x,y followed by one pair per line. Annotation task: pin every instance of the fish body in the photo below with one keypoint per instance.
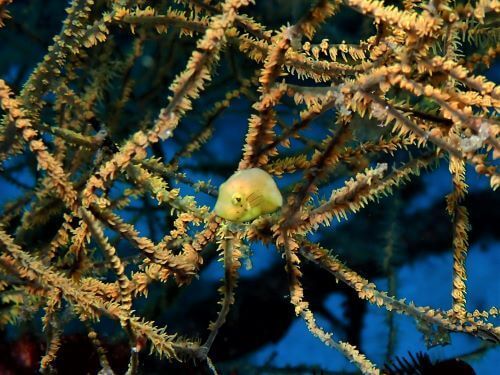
x,y
247,194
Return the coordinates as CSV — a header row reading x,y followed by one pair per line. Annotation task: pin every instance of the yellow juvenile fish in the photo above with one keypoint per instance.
x,y
247,194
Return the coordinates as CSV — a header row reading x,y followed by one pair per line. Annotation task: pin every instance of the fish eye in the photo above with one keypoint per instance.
x,y
236,199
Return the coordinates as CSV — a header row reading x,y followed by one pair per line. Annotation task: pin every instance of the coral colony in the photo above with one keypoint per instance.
x,y
397,103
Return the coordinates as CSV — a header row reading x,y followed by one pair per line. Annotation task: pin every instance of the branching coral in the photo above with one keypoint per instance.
x,y
415,77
